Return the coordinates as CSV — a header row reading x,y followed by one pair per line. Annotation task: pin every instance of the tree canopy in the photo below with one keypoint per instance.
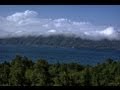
x,y
22,71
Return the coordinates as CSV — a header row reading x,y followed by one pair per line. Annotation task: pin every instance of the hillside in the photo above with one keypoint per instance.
x,y
61,41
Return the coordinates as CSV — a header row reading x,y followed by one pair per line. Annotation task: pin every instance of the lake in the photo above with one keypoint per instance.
x,y
63,55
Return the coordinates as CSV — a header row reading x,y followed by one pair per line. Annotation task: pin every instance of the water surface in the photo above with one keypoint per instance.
x,y
63,55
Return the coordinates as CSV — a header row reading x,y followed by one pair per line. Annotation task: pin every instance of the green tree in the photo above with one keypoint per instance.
x,y
87,77
4,73
17,71
30,77
42,76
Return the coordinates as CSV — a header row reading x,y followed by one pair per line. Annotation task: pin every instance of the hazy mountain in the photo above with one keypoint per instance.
x,y
61,41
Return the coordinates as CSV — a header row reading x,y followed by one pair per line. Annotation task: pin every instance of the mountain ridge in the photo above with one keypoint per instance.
x,y
61,41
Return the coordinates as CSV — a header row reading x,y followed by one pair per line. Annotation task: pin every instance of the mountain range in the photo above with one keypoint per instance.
x,y
61,41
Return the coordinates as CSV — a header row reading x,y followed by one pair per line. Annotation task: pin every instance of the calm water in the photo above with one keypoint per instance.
x,y
63,55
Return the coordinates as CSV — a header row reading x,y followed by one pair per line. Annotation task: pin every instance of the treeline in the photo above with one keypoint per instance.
x,y
60,41
24,72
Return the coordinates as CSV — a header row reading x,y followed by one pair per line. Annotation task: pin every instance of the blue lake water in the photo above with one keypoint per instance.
x,y
63,55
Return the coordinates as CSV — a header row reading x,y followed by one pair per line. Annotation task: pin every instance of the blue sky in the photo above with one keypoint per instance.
x,y
93,22
97,14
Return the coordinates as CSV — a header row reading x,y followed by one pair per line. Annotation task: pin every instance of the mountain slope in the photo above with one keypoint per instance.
x,y
61,41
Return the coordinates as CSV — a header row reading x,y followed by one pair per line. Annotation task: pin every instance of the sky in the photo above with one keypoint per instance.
x,y
85,21
98,14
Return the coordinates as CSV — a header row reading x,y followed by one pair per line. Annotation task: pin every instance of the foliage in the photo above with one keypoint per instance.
x,y
24,72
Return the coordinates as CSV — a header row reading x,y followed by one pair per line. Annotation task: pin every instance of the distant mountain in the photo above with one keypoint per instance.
x,y
61,41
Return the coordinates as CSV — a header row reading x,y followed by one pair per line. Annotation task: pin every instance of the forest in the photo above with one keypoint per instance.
x,y
22,71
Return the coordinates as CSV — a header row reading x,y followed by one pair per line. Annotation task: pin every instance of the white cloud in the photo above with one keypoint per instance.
x,y
108,31
28,23
46,25
22,15
60,20
52,31
57,24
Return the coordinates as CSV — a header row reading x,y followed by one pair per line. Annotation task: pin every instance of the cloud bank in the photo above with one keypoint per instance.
x,y
28,23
